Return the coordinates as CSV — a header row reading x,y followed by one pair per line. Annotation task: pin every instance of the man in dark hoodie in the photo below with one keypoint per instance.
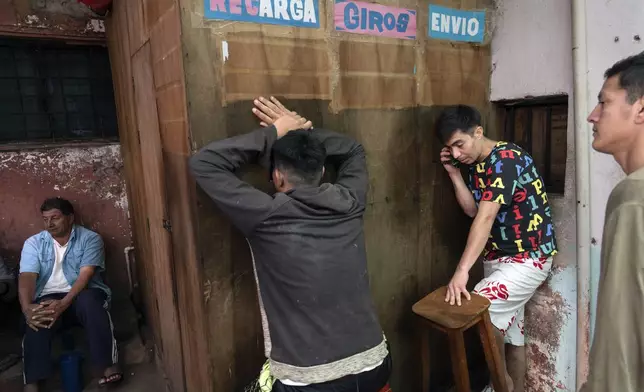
x,y
321,330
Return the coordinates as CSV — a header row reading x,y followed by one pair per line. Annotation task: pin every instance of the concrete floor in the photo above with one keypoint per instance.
x,y
140,372
138,378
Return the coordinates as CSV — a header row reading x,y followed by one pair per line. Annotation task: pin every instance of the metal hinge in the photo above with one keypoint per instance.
x,y
167,225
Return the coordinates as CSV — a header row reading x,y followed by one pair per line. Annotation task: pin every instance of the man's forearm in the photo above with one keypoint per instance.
x,y
476,240
81,283
26,288
463,195
230,154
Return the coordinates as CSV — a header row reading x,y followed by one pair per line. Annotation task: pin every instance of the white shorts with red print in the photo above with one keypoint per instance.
x,y
509,284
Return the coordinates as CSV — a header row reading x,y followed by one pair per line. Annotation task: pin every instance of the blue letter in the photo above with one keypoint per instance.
x,y
375,20
403,21
390,21
351,21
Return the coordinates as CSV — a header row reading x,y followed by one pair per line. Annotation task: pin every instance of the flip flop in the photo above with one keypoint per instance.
x,y
110,380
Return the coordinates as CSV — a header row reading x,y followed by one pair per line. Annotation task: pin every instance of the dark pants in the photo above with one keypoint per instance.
x,y
89,310
371,381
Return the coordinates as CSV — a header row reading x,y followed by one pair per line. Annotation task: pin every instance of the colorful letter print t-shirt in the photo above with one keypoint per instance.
x,y
523,227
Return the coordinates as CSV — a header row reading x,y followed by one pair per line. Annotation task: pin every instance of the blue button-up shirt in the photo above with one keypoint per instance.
x,y
85,248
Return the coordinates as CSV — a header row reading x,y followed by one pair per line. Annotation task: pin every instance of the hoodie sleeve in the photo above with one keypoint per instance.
x,y
348,157
214,168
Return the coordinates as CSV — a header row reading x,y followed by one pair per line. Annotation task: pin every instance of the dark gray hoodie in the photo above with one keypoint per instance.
x,y
308,253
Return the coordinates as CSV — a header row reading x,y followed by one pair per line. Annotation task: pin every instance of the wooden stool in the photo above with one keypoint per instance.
x,y
454,320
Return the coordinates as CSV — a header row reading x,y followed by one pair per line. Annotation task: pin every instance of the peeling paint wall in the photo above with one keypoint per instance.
x,y
54,18
91,177
544,67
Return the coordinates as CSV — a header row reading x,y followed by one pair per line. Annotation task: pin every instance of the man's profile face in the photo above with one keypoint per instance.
x,y
465,147
614,119
56,223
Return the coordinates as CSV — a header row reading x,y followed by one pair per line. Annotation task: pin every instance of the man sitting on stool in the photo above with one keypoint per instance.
x,y
60,282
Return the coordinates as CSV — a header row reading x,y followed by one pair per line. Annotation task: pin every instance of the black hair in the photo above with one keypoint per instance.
x,y
57,203
301,156
457,118
631,76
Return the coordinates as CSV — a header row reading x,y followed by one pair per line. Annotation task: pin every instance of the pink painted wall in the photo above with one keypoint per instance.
x,y
91,177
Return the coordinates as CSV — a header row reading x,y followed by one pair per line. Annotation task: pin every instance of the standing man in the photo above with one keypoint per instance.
x,y
617,353
321,330
59,285
512,227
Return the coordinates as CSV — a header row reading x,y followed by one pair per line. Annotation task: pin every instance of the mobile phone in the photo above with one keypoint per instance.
x,y
453,161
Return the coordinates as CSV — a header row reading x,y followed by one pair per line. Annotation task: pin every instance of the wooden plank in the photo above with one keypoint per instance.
x,y
181,195
192,318
165,30
119,46
137,26
161,247
155,9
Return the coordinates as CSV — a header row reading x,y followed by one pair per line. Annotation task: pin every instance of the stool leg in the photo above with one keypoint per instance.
x,y
492,353
424,353
459,361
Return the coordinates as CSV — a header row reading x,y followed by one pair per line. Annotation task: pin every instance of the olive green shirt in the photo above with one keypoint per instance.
x,y
617,353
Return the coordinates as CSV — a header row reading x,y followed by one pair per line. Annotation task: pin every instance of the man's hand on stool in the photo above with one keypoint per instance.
x,y
458,286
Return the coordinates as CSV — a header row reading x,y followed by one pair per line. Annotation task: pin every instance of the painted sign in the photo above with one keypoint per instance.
x,y
456,25
299,13
374,19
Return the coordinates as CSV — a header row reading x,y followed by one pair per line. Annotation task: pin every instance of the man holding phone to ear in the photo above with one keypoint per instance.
x,y
512,226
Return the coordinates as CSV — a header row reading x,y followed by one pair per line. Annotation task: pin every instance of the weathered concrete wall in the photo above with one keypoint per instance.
x,y
91,177
532,56
53,18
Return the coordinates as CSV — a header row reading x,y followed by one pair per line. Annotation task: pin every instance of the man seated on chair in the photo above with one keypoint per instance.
x,y
60,285
512,227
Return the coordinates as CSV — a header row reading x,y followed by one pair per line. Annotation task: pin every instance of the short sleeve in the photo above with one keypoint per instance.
x,y
93,253
29,261
501,177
